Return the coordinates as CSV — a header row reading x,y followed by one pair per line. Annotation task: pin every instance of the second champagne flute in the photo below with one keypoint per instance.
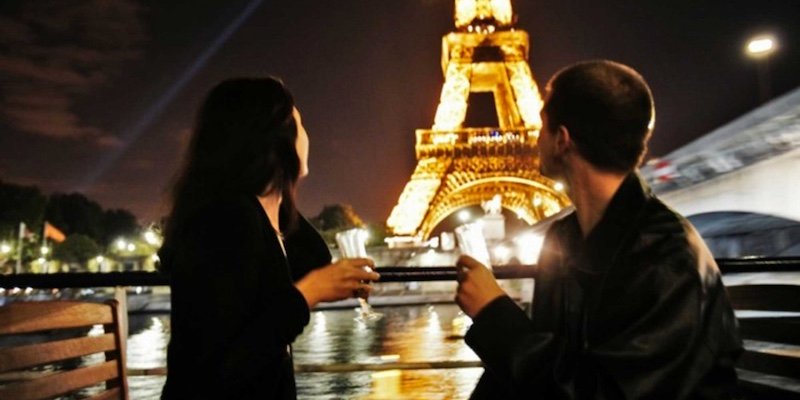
x,y
352,245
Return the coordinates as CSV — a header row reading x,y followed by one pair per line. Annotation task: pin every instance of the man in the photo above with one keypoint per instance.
x,y
628,300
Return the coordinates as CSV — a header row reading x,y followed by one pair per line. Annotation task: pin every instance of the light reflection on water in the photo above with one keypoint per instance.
x,y
405,334
411,333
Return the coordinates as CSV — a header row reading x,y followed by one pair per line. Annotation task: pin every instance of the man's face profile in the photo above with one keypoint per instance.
x,y
545,144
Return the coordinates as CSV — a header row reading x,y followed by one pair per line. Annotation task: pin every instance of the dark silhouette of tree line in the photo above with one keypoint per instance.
x,y
88,226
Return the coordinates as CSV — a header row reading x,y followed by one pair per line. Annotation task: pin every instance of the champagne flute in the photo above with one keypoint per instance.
x,y
352,245
472,243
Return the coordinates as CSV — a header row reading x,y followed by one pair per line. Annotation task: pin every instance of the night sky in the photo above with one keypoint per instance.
x,y
99,96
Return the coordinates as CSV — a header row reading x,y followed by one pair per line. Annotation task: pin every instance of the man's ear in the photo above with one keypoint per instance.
x,y
563,142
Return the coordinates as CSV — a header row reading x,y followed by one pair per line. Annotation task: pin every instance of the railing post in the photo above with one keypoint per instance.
x,y
121,296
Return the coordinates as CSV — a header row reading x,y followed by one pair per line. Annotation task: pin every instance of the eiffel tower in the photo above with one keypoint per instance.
x,y
460,166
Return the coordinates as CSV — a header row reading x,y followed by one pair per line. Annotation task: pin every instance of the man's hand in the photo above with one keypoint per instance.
x,y
476,286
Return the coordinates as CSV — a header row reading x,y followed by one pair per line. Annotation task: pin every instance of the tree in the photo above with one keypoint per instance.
x,y
118,223
377,233
20,204
77,248
337,217
75,213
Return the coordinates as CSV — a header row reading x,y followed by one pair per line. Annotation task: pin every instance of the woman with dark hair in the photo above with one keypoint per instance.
x,y
245,267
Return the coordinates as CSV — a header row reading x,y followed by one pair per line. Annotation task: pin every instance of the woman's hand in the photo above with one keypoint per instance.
x,y
338,281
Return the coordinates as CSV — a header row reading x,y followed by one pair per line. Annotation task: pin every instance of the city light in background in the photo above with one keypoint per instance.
x,y
761,48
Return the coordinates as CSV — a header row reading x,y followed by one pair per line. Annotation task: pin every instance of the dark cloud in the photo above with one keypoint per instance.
x,y
55,53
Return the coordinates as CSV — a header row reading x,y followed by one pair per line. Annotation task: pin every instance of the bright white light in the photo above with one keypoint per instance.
x,y
96,330
5,248
44,250
558,186
121,244
151,238
502,253
428,257
155,258
99,259
130,247
537,201
464,216
761,46
41,260
320,323
529,245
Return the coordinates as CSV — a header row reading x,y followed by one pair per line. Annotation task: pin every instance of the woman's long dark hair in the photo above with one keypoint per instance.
x,y
244,142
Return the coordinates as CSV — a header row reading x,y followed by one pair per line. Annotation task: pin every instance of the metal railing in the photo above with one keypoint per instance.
x,y
388,274
120,280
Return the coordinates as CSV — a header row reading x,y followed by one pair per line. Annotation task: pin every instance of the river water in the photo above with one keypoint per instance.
x,y
404,334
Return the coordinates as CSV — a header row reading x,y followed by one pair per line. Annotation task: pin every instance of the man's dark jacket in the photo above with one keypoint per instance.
x,y
636,310
235,309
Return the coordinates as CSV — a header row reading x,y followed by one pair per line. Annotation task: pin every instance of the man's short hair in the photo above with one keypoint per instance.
x,y
607,108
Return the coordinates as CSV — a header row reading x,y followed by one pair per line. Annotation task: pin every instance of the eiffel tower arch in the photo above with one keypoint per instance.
x,y
460,166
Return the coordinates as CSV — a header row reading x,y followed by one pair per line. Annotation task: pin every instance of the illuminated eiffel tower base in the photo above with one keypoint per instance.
x,y
461,166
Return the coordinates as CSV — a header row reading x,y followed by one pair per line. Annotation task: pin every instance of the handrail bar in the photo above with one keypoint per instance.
x,y
411,365
388,274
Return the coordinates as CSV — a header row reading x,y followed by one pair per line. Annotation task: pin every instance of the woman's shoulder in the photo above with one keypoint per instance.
x,y
229,211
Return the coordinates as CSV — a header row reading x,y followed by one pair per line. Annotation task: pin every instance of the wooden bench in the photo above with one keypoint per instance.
x,y
770,366
48,334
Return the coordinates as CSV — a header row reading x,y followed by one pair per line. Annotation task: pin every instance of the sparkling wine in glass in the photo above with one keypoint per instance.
x,y
352,245
471,242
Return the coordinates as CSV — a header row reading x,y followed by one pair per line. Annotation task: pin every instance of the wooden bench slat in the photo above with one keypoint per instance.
x,y
13,358
756,386
770,363
26,317
57,384
113,393
777,330
765,297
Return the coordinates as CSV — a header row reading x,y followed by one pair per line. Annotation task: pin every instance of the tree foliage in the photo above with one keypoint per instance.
x,y
118,222
77,248
337,217
19,204
75,214
71,213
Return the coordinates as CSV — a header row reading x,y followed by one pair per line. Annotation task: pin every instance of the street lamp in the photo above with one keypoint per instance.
x,y
152,238
760,48
121,244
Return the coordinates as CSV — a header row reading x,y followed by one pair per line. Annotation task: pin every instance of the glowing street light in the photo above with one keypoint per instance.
x,y
760,48
5,248
152,238
121,244
44,250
